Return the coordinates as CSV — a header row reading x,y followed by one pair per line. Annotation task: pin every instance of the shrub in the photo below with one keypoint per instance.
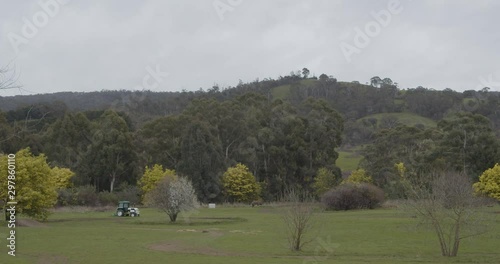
x,y
358,176
86,195
65,197
353,196
371,196
129,193
240,184
489,183
325,180
107,198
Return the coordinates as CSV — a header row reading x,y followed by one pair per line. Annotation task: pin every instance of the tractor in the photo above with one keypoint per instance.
x,y
124,209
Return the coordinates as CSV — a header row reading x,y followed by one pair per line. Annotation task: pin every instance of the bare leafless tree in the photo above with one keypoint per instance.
x,y
8,78
297,216
446,203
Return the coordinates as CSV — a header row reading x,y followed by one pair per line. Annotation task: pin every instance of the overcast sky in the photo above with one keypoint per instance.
x,y
187,44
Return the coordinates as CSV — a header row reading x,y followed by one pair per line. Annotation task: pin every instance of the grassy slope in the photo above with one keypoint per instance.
x,y
406,118
283,91
348,159
376,236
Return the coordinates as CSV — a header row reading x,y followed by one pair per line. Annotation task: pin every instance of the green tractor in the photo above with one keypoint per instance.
x,y
124,209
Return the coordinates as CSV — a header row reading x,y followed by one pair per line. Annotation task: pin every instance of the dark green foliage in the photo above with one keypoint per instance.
x,y
66,197
86,195
107,198
66,140
353,196
107,137
468,143
129,193
202,160
110,158
431,103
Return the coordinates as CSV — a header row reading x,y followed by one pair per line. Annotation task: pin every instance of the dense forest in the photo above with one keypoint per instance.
x,y
284,130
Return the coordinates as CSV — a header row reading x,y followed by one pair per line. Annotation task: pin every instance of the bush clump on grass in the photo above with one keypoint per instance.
x,y
107,198
87,196
353,196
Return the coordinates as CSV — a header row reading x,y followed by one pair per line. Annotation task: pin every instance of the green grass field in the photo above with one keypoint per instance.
x,y
348,159
238,235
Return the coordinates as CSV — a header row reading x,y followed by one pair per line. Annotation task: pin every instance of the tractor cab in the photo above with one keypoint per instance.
x,y
124,205
124,209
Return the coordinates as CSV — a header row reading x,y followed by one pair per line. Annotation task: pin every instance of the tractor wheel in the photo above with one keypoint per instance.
x,y
119,213
132,215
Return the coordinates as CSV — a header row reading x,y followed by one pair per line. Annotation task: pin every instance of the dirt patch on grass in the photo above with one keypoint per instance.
x,y
213,232
29,223
254,232
52,259
179,247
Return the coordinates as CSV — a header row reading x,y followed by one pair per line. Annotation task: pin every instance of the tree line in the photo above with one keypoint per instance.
x,y
284,142
283,145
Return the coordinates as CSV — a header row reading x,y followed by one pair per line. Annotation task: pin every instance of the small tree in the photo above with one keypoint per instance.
x,y
62,177
35,183
8,81
489,183
358,176
305,72
447,204
173,196
152,176
325,180
240,184
297,216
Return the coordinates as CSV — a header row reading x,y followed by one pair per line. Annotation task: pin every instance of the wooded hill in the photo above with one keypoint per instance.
x,y
283,129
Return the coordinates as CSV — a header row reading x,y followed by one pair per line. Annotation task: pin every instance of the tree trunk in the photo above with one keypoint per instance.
x,y
442,241
456,243
227,149
113,179
173,217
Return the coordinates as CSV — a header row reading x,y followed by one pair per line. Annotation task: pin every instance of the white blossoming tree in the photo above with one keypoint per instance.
x,y
173,195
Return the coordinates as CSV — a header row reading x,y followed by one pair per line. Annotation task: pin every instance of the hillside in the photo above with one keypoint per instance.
x,y
283,91
284,130
405,118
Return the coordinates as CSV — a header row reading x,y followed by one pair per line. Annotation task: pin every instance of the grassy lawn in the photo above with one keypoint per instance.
x,y
348,159
238,235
